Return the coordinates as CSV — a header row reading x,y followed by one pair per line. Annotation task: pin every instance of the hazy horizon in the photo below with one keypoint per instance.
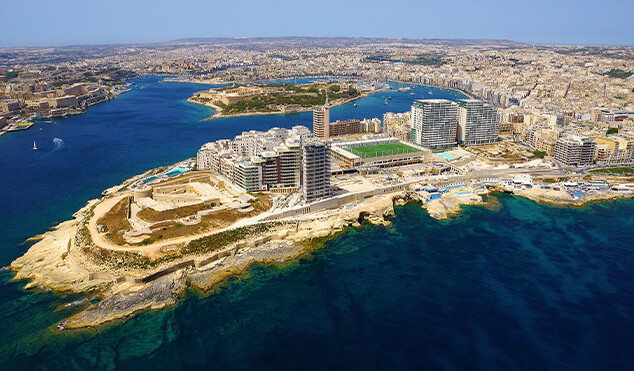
x,y
304,36
72,23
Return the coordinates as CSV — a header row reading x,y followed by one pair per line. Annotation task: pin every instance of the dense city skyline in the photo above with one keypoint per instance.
x,y
69,22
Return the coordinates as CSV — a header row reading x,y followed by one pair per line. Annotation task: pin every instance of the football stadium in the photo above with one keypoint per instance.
x,y
380,152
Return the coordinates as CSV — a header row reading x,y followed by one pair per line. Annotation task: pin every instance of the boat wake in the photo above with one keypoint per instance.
x,y
59,144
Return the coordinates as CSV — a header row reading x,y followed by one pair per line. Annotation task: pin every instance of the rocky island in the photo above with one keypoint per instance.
x,y
274,99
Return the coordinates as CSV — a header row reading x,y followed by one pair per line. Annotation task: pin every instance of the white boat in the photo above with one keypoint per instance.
x,y
34,146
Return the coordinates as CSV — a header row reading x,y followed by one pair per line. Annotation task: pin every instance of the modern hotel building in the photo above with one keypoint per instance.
x,y
477,122
434,123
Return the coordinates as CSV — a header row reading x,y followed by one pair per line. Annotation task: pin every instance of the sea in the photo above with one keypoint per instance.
x,y
513,286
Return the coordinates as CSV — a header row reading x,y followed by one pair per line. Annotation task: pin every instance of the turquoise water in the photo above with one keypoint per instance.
x,y
524,286
449,157
177,171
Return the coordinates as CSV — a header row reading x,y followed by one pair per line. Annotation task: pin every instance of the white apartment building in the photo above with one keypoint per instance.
x,y
321,122
477,122
256,160
434,123
315,169
575,150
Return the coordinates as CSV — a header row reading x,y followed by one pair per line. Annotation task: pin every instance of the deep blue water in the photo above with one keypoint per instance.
x,y
525,286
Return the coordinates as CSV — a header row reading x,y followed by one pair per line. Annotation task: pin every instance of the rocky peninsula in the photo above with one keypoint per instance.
x,y
129,278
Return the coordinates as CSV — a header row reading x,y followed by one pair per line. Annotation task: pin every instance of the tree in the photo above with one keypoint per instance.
x,y
612,131
334,88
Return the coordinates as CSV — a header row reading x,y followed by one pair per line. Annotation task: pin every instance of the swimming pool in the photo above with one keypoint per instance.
x,y
177,171
448,157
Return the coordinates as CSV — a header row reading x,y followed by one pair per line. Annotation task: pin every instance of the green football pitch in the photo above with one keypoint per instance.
x,y
382,150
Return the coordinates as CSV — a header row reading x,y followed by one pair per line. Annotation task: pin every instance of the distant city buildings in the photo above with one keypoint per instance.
x,y
507,122
540,93
397,125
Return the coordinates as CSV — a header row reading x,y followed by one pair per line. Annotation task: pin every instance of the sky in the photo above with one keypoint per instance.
x,y
72,22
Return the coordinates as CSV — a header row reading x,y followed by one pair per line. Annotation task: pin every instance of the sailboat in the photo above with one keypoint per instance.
x,y
34,146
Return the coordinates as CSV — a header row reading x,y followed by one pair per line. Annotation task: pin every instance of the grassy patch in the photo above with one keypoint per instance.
x,y
292,94
154,216
115,222
220,240
619,171
210,222
617,73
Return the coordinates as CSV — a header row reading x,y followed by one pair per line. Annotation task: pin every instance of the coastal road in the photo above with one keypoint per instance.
x,y
494,173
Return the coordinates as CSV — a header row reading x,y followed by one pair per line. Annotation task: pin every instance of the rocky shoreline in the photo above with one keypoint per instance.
x,y
56,261
60,263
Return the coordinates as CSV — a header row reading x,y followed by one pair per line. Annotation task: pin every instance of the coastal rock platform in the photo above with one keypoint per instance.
x,y
61,261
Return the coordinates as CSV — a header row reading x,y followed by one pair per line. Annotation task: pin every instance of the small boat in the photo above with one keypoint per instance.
x,y
389,97
34,146
386,101
429,92
412,93
354,105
